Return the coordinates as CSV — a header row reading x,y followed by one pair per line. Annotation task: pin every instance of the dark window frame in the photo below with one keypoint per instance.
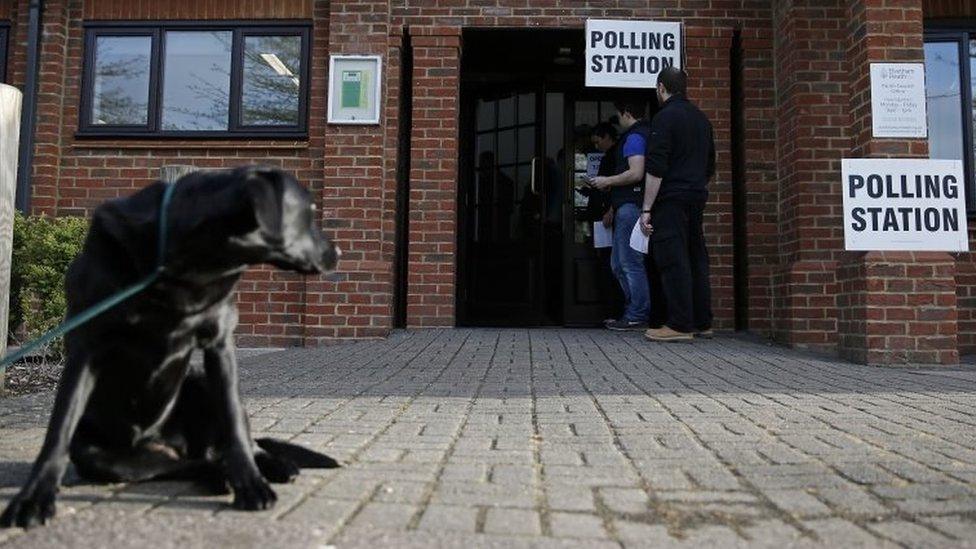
x,y
948,33
4,39
157,31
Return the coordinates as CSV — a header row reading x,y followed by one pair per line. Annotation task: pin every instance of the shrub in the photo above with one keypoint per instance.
x,y
43,247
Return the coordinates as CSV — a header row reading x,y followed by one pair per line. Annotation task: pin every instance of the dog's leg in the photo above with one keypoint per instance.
x,y
251,490
35,502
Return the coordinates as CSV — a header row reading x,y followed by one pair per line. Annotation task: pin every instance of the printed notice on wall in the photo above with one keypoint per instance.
x,y
898,100
904,204
630,54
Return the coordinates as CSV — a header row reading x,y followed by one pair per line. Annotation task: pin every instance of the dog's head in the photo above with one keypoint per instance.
x,y
285,233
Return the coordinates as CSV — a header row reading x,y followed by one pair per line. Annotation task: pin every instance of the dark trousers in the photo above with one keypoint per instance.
x,y
659,305
678,245
611,295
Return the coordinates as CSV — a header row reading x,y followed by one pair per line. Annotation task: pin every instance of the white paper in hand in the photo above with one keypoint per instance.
x,y
638,240
602,236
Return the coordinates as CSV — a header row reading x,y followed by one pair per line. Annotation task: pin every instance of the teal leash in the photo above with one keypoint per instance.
x,y
109,302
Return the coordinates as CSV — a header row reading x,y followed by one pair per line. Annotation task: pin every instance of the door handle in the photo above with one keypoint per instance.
x,y
532,177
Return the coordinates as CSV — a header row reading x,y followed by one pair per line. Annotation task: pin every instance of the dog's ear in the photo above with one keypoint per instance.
x,y
265,188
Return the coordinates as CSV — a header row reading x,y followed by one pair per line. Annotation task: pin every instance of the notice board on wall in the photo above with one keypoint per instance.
x,y
898,100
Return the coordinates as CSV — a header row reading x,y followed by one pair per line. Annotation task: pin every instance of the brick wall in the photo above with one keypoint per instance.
x,y
804,63
353,169
898,307
433,175
196,9
17,42
762,238
73,175
812,116
357,195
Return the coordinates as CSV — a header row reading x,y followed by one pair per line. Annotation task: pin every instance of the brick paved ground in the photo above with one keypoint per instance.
x,y
563,438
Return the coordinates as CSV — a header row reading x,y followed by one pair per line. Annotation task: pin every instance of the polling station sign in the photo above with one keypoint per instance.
x,y
904,204
630,54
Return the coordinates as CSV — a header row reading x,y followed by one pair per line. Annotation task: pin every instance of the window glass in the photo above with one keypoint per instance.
x,y
272,80
943,94
506,111
526,108
972,83
120,93
196,80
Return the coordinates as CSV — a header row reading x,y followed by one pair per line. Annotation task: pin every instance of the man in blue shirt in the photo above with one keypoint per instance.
x,y
680,161
626,190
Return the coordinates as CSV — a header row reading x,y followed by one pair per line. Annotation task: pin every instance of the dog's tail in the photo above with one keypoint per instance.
x,y
302,457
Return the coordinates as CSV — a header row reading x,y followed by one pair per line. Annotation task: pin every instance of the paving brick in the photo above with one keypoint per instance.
x,y
515,433
577,525
836,532
797,503
513,521
449,517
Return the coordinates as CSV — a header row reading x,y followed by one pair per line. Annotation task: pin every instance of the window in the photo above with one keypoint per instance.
x,y
195,80
4,31
950,63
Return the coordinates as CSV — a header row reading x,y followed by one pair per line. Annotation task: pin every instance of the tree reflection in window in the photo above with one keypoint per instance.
x,y
271,81
196,80
121,83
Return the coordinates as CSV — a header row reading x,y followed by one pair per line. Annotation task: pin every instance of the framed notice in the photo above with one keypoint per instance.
x,y
898,100
630,54
354,89
904,204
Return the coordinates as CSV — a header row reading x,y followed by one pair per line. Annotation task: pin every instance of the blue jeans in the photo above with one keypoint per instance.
x,y
628,265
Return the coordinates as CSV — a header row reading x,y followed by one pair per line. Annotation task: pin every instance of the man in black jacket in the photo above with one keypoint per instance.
x,y
680,161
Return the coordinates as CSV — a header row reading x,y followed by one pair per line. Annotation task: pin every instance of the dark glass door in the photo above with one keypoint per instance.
x,y
588,287
504,203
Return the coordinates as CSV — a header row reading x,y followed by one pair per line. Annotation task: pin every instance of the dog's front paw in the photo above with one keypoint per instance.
x,y
28,511
253,494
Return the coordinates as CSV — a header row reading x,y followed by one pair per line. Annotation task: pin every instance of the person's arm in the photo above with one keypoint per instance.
x,y
658,154
633,149
652,185
635,170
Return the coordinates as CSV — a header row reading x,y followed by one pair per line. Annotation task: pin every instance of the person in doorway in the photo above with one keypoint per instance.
x,y
603,137
680,161
626,193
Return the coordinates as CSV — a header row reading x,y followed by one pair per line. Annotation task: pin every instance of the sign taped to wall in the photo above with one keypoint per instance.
x,y
630,54
898,100
904,204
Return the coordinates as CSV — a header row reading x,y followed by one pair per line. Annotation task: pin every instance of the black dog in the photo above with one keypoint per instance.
x,y
130,405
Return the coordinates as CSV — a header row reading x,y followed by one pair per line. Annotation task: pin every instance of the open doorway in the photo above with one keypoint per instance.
x,y
526,255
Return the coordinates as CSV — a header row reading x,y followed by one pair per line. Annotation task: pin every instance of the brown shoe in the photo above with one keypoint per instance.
x,y
665,333
705,334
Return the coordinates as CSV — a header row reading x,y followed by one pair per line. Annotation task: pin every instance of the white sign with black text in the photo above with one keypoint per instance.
x,y
898,100
904,204
630,54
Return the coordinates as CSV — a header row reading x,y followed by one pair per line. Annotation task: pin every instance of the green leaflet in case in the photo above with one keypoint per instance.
x,y
352,90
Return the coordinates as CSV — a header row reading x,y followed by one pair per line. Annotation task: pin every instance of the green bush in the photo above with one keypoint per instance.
x,y
43,249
